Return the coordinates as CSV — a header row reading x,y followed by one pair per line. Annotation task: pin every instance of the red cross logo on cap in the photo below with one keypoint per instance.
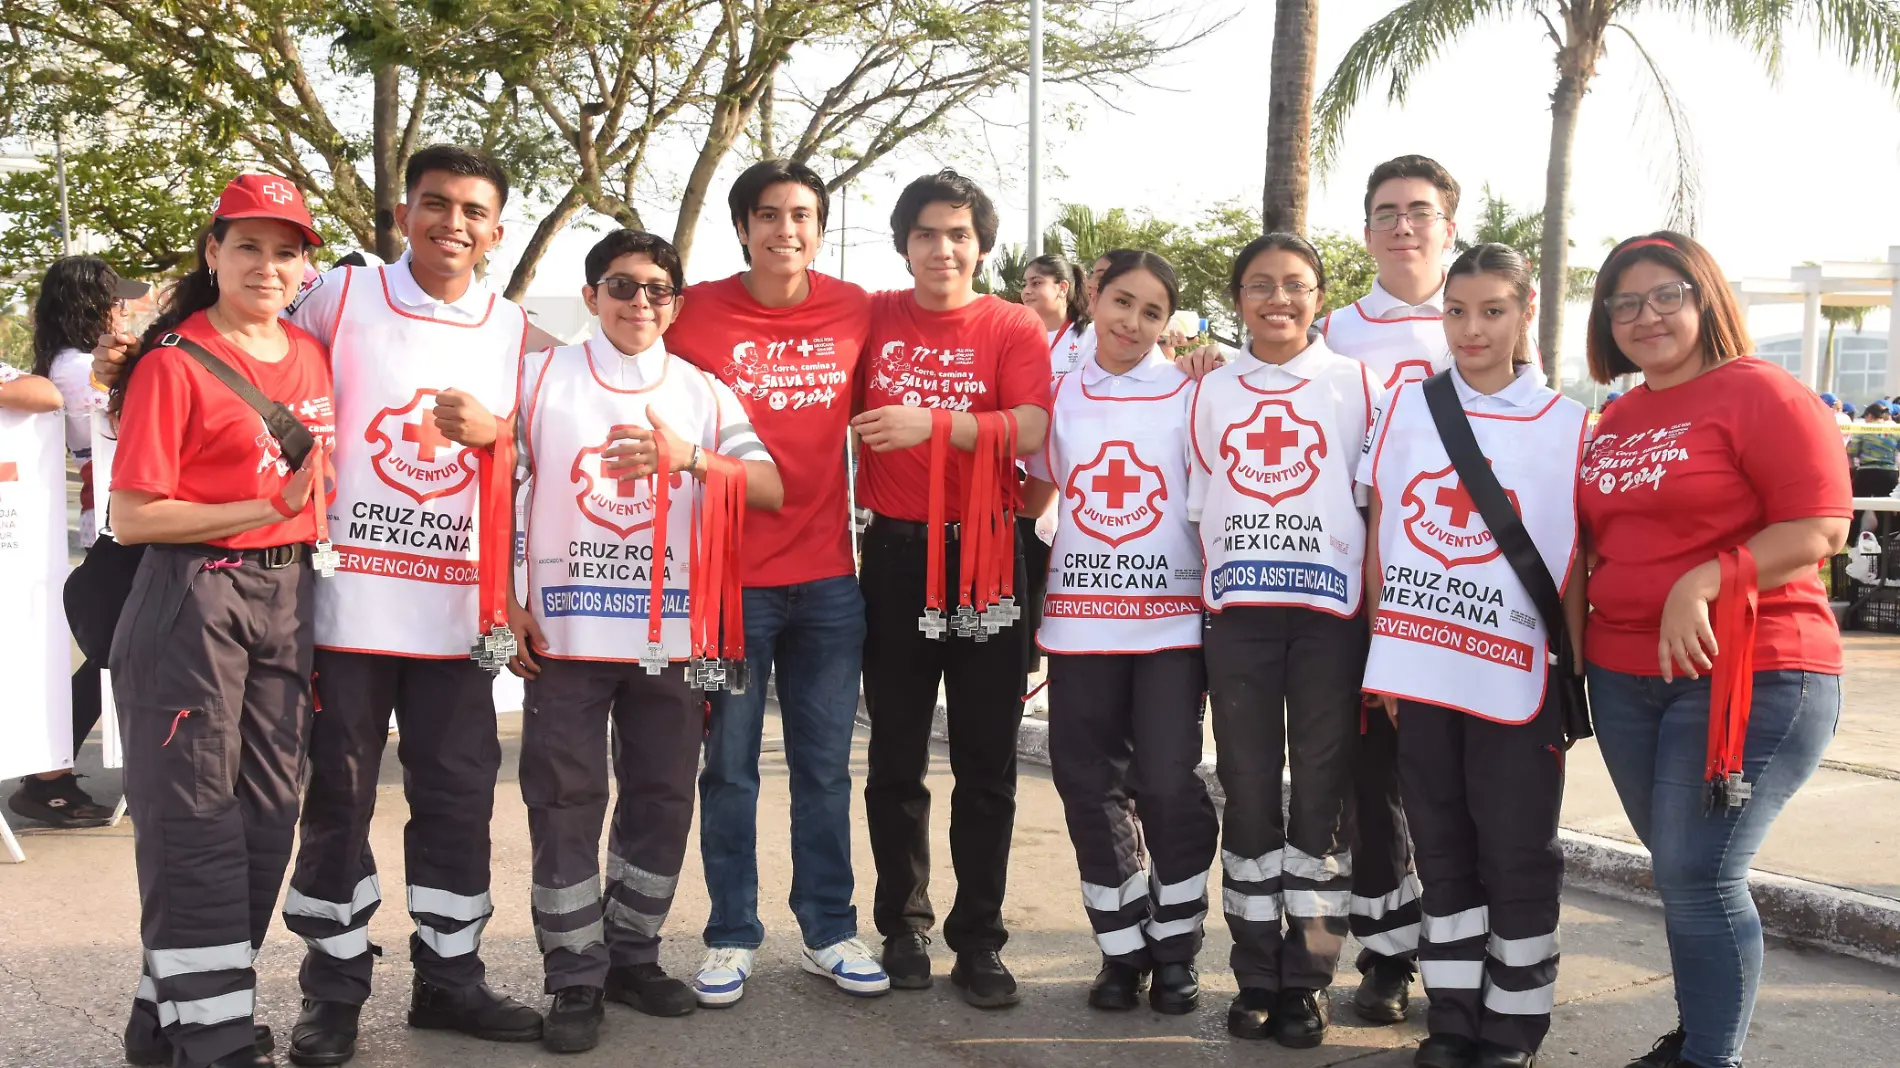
x,y
277,191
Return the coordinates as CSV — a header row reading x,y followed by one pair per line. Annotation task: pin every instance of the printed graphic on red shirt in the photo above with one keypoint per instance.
x,y
1408,371
1618,464
1117,495
926,377
1274,453
788,375
1444,522
622,505
414,456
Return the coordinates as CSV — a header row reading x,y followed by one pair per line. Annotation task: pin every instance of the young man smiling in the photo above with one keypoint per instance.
x,y
787,340
1397,332
940,346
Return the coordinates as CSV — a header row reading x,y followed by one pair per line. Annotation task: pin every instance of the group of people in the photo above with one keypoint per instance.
x,y
1374,542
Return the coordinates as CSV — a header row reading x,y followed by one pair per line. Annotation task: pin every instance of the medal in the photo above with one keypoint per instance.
x,y
323,559
494,550
655,660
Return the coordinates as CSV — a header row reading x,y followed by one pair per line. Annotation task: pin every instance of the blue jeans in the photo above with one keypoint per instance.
x,y
814,633
1654,738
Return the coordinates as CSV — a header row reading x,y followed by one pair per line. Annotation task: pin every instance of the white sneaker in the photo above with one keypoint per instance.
x,y
851,965
721,978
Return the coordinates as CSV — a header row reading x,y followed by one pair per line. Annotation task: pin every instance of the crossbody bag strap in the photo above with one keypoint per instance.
x,y
1507,527
292,436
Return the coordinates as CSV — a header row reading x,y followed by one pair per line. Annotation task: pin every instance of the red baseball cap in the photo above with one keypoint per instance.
x,y
265,196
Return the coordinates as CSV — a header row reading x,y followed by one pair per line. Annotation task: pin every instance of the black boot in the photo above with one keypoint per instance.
x,y
1300,1018
1385,992
907,960
1445,1051
248,1057
325,1033
1251,1013
1117,987
479,1012
1492,1055
984,979
573,1022
1175,989
648,988
1666,1053
146,1046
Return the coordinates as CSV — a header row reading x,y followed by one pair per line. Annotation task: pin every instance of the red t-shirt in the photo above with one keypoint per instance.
x,y
186,436
1674,477
794,370
986,356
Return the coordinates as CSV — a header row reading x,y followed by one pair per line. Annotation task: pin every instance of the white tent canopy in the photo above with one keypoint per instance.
x,y
1835,283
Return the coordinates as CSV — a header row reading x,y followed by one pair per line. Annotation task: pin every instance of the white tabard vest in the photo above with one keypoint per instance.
x,y
1125,570
404,515
1279,525
1070,347
1409,349
1455,626
589,537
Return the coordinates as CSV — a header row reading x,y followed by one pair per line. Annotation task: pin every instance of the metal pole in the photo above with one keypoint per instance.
x,y
844,226
1033,246
65,220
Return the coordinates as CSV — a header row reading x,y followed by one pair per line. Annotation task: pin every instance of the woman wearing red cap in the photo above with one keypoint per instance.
x,y
211,661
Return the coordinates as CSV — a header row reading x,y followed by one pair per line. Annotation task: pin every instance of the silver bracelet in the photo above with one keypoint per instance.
x,y
693,464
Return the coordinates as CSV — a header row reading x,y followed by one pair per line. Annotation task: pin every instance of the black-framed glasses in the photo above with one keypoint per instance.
x,y
1295,291
659,294
1381,221
1667,299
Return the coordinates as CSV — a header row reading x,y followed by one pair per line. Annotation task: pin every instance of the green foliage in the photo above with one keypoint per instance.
x,y
146,198
1004,274
16,339
1350,270
1522,230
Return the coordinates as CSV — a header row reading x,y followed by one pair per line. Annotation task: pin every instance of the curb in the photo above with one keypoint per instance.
x,y
1833,918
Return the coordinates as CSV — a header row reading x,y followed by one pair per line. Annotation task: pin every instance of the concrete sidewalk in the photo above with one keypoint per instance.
x,y
68,964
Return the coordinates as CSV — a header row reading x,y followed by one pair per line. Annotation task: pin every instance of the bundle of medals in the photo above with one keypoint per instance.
x,y
324,560
494,473
717,611
1732,683
986,563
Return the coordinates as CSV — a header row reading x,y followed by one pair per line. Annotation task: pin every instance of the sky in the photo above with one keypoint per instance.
x,y
1795,169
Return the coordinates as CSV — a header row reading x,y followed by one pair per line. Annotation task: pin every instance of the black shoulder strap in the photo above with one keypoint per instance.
x,y
1506,526
292,436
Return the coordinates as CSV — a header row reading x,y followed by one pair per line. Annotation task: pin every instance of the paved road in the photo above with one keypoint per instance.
x,y
68,946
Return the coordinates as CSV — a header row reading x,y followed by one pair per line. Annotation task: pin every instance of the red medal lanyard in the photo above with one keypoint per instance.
x,y
933,554
496,469
1732,687
732,616
712,562
1004,589
972,568
656,599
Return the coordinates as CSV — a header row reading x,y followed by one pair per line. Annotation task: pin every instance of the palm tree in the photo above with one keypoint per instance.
x,y
1836,314
1290,115
1522,230
1864,33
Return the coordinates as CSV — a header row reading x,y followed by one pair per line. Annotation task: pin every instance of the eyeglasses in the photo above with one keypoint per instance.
x,y
1666,299
659,294
1295,291
1389,220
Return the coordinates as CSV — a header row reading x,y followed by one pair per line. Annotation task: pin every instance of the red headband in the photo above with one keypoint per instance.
x,y
1647,241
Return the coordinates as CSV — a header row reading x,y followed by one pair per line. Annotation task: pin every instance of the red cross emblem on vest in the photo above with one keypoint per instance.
x,y
1116,496
622,505
1274,453
1443,522
413,455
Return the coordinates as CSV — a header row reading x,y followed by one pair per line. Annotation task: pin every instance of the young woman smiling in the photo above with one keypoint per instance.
x,y
1480,752
1054,288
1715,484
1278,437
1122,627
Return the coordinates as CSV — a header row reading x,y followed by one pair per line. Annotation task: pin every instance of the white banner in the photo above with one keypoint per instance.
x,y
36,719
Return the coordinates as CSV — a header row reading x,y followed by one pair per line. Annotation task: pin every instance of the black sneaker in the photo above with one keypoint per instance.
x,y
1175,989
1300,1017
1250,1015
1666,1053
1117,987
1385,991
1445,1051
573,1021
906,960
648,988
479,1012
58,803
985,981
248,1057
1492,1055
155,1049
325,1033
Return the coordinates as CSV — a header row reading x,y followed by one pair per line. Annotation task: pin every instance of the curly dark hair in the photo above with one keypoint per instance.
x,y
73,308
